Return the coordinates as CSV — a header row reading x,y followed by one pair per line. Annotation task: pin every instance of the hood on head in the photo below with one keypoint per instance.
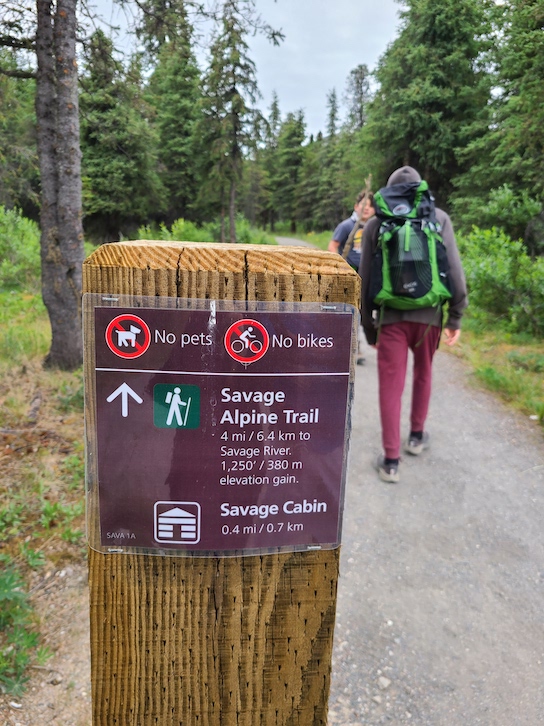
x,y
404,175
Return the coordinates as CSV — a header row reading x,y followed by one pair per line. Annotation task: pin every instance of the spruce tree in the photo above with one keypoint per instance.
x,y
307,191
227,112
19,169
121,186
510,150
503,183
357,97
431,90
174,94
290,156
329,210
270,162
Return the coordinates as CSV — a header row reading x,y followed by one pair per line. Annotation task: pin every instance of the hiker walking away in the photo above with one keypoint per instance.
x,y
341,242
402,308
346,240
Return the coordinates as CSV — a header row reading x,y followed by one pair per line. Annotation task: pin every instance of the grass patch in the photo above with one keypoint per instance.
x,y
24,327
41,477
509,364
530,360
18,635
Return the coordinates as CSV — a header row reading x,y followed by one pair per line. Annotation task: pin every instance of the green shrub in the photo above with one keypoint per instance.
x,y
503,279
19,252
185,231
24,330
503,207
248,235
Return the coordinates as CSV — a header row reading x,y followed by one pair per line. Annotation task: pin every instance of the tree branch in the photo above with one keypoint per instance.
x,y
9,41
17,73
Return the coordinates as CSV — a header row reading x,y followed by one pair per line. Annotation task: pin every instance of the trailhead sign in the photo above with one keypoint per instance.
x,y
219,431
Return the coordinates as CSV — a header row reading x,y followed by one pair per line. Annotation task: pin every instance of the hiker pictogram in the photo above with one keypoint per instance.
x,y
246,341
176,406
128,336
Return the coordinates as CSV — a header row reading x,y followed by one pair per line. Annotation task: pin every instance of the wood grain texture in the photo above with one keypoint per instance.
x,y
242,641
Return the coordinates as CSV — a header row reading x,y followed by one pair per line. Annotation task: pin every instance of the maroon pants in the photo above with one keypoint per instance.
x,y
394,342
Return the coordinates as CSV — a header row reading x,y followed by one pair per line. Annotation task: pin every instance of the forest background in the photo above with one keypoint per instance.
x,y
172,148
168,144
458,95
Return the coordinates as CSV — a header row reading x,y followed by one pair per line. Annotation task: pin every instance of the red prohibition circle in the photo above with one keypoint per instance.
x,y
247,340
124,336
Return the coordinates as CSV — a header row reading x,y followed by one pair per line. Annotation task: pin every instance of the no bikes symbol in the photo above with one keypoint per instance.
x,y
247,341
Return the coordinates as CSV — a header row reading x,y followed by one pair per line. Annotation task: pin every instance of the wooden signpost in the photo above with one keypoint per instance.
x,y
213,641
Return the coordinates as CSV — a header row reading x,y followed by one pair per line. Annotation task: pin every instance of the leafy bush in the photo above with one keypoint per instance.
x,y
19,251
24,329
503,279
185,231
504,208
248,235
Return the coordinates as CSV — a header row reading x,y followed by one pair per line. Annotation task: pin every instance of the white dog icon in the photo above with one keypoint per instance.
x,y
127,337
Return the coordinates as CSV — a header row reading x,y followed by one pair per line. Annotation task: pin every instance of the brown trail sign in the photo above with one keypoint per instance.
x,y
210,640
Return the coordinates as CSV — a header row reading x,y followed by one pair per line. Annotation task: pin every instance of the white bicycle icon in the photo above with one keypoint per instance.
x,y
247,342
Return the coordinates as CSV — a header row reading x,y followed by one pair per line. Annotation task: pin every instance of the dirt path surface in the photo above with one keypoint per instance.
x,y
440,618
440,609
292,242
60,692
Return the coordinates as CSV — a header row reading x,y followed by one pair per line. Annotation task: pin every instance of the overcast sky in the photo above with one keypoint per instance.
x,y
324,41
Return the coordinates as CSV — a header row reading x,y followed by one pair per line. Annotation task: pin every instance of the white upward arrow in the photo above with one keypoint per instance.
x,y
124,391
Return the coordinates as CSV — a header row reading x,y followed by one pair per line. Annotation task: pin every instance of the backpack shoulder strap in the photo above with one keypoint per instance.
x,y
359,224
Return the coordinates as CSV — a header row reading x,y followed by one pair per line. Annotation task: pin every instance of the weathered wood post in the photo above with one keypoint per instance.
x,y
241,640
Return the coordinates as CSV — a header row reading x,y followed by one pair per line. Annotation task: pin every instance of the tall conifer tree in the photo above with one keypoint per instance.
x,y
289,162
174,94
229,94
357,96
431,90
19,171
121,186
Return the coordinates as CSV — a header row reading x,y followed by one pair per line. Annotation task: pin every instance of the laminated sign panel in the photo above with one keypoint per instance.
x,y
218,385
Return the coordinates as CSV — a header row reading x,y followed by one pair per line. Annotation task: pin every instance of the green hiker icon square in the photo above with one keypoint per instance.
x,y
176,406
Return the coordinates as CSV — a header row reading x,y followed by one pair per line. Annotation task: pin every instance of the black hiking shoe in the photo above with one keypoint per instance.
x,y
415,446
387,472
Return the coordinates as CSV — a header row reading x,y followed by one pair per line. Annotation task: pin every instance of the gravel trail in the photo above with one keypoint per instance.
x,y
440,618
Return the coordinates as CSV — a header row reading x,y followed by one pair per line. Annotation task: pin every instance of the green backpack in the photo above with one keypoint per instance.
x,y
410,266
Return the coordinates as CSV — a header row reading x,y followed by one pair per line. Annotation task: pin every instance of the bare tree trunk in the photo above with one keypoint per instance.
x,y
232,211
60,171
222,225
